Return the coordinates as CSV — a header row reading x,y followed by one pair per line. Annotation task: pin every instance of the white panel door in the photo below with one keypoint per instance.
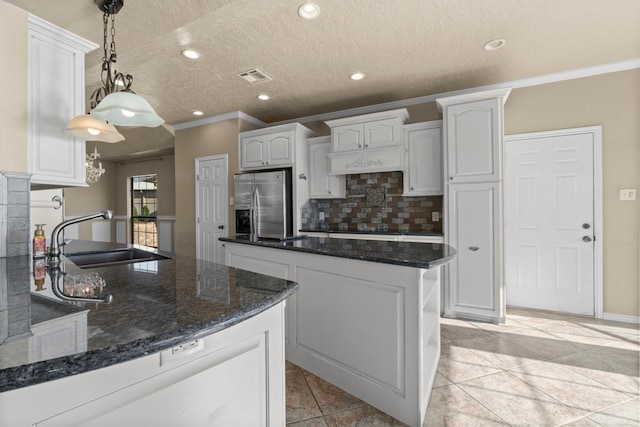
x,y
212,208
549,212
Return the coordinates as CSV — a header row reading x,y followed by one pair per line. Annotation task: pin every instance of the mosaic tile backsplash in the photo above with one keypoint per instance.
x,y
374,202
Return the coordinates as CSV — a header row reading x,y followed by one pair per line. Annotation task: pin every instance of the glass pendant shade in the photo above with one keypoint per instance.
x,y
91,129
126,109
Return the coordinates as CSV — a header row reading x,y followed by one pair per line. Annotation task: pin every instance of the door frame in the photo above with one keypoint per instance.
x,y
596,132
224,157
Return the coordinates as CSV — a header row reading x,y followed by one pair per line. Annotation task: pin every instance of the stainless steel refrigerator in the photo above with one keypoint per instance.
x,y
263,204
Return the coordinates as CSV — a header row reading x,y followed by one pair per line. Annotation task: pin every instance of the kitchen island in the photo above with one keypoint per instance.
x,y
184,342
366,316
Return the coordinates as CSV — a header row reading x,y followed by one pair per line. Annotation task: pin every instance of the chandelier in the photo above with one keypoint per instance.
x,y
114,103
93,173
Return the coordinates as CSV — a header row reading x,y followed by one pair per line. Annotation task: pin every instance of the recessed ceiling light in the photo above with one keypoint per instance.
x,y
357,76
309,11
263,97
197,113
495,44
191,54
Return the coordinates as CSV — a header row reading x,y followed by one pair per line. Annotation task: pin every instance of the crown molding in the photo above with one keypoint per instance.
x,y
578,73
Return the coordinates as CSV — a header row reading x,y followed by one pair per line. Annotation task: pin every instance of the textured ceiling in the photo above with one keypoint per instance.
x,y
406,48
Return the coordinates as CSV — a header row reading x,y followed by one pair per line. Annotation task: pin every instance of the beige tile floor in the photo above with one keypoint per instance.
x,y
539,369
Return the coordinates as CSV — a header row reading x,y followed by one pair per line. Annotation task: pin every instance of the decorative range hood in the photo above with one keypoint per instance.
x,y
368,143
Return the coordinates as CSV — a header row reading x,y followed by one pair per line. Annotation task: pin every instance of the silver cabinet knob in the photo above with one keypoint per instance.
x,y
586,239
473,248
586,226
221,227
450,178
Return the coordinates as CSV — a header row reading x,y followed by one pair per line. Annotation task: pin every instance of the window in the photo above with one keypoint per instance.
x,y
144,210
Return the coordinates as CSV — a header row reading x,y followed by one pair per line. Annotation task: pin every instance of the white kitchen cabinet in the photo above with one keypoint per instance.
x,y
367,131
266,151
56,94
367,143
474,133
321,184
475,230
229,378
423,176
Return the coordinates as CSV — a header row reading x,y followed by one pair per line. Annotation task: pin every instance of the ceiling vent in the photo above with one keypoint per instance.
x,y
254,76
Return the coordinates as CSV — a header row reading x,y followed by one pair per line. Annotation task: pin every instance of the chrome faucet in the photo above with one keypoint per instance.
x,y
54,250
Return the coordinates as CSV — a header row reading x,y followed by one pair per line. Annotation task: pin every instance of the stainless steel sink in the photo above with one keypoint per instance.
x,y
114,257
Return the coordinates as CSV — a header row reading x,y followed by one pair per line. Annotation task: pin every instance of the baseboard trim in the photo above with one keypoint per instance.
x,y
621,318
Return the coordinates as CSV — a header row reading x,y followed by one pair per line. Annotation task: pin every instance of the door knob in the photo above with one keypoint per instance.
x,y
221,227
586,226
473,248
586,239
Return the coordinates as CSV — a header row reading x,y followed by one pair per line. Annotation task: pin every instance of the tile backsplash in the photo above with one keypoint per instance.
x,y
374,202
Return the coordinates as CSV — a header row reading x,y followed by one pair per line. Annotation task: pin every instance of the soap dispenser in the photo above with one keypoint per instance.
x,y
39,242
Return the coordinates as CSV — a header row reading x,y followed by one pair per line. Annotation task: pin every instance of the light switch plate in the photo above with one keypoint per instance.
x,y
321,215
628,194
435,216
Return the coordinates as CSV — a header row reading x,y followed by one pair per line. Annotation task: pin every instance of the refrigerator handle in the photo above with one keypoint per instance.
x,y
253,226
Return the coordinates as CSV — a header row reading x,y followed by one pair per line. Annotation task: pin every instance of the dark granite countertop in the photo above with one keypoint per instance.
x,y
156,305
385,232
421,255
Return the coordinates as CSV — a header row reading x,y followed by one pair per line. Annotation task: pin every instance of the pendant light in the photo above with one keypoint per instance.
x,y
91,129
115,102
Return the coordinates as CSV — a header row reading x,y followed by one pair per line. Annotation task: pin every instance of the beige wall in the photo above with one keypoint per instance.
x,y
612,101
98,196
191,143
112,190
13,88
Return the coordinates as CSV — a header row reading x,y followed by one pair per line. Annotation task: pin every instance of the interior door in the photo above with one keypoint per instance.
x,y
549,212
212,208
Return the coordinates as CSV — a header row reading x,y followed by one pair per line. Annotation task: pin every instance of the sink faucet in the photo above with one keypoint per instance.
x,y
54,251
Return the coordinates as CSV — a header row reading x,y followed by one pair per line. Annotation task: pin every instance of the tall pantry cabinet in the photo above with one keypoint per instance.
x,y
473,138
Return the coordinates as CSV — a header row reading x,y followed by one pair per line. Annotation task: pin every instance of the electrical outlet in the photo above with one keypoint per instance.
x,y
435,216
321,215
628,194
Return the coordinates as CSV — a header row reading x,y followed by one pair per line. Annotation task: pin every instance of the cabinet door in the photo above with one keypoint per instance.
x,y
474,135
279,149
347,137
56,95
382,133
424,162
475,278
321,184
252,152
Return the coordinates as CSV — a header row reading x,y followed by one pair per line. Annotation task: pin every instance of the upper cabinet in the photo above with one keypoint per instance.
x,y
423,176
321,184
474,139
368,143
265,151
55,95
